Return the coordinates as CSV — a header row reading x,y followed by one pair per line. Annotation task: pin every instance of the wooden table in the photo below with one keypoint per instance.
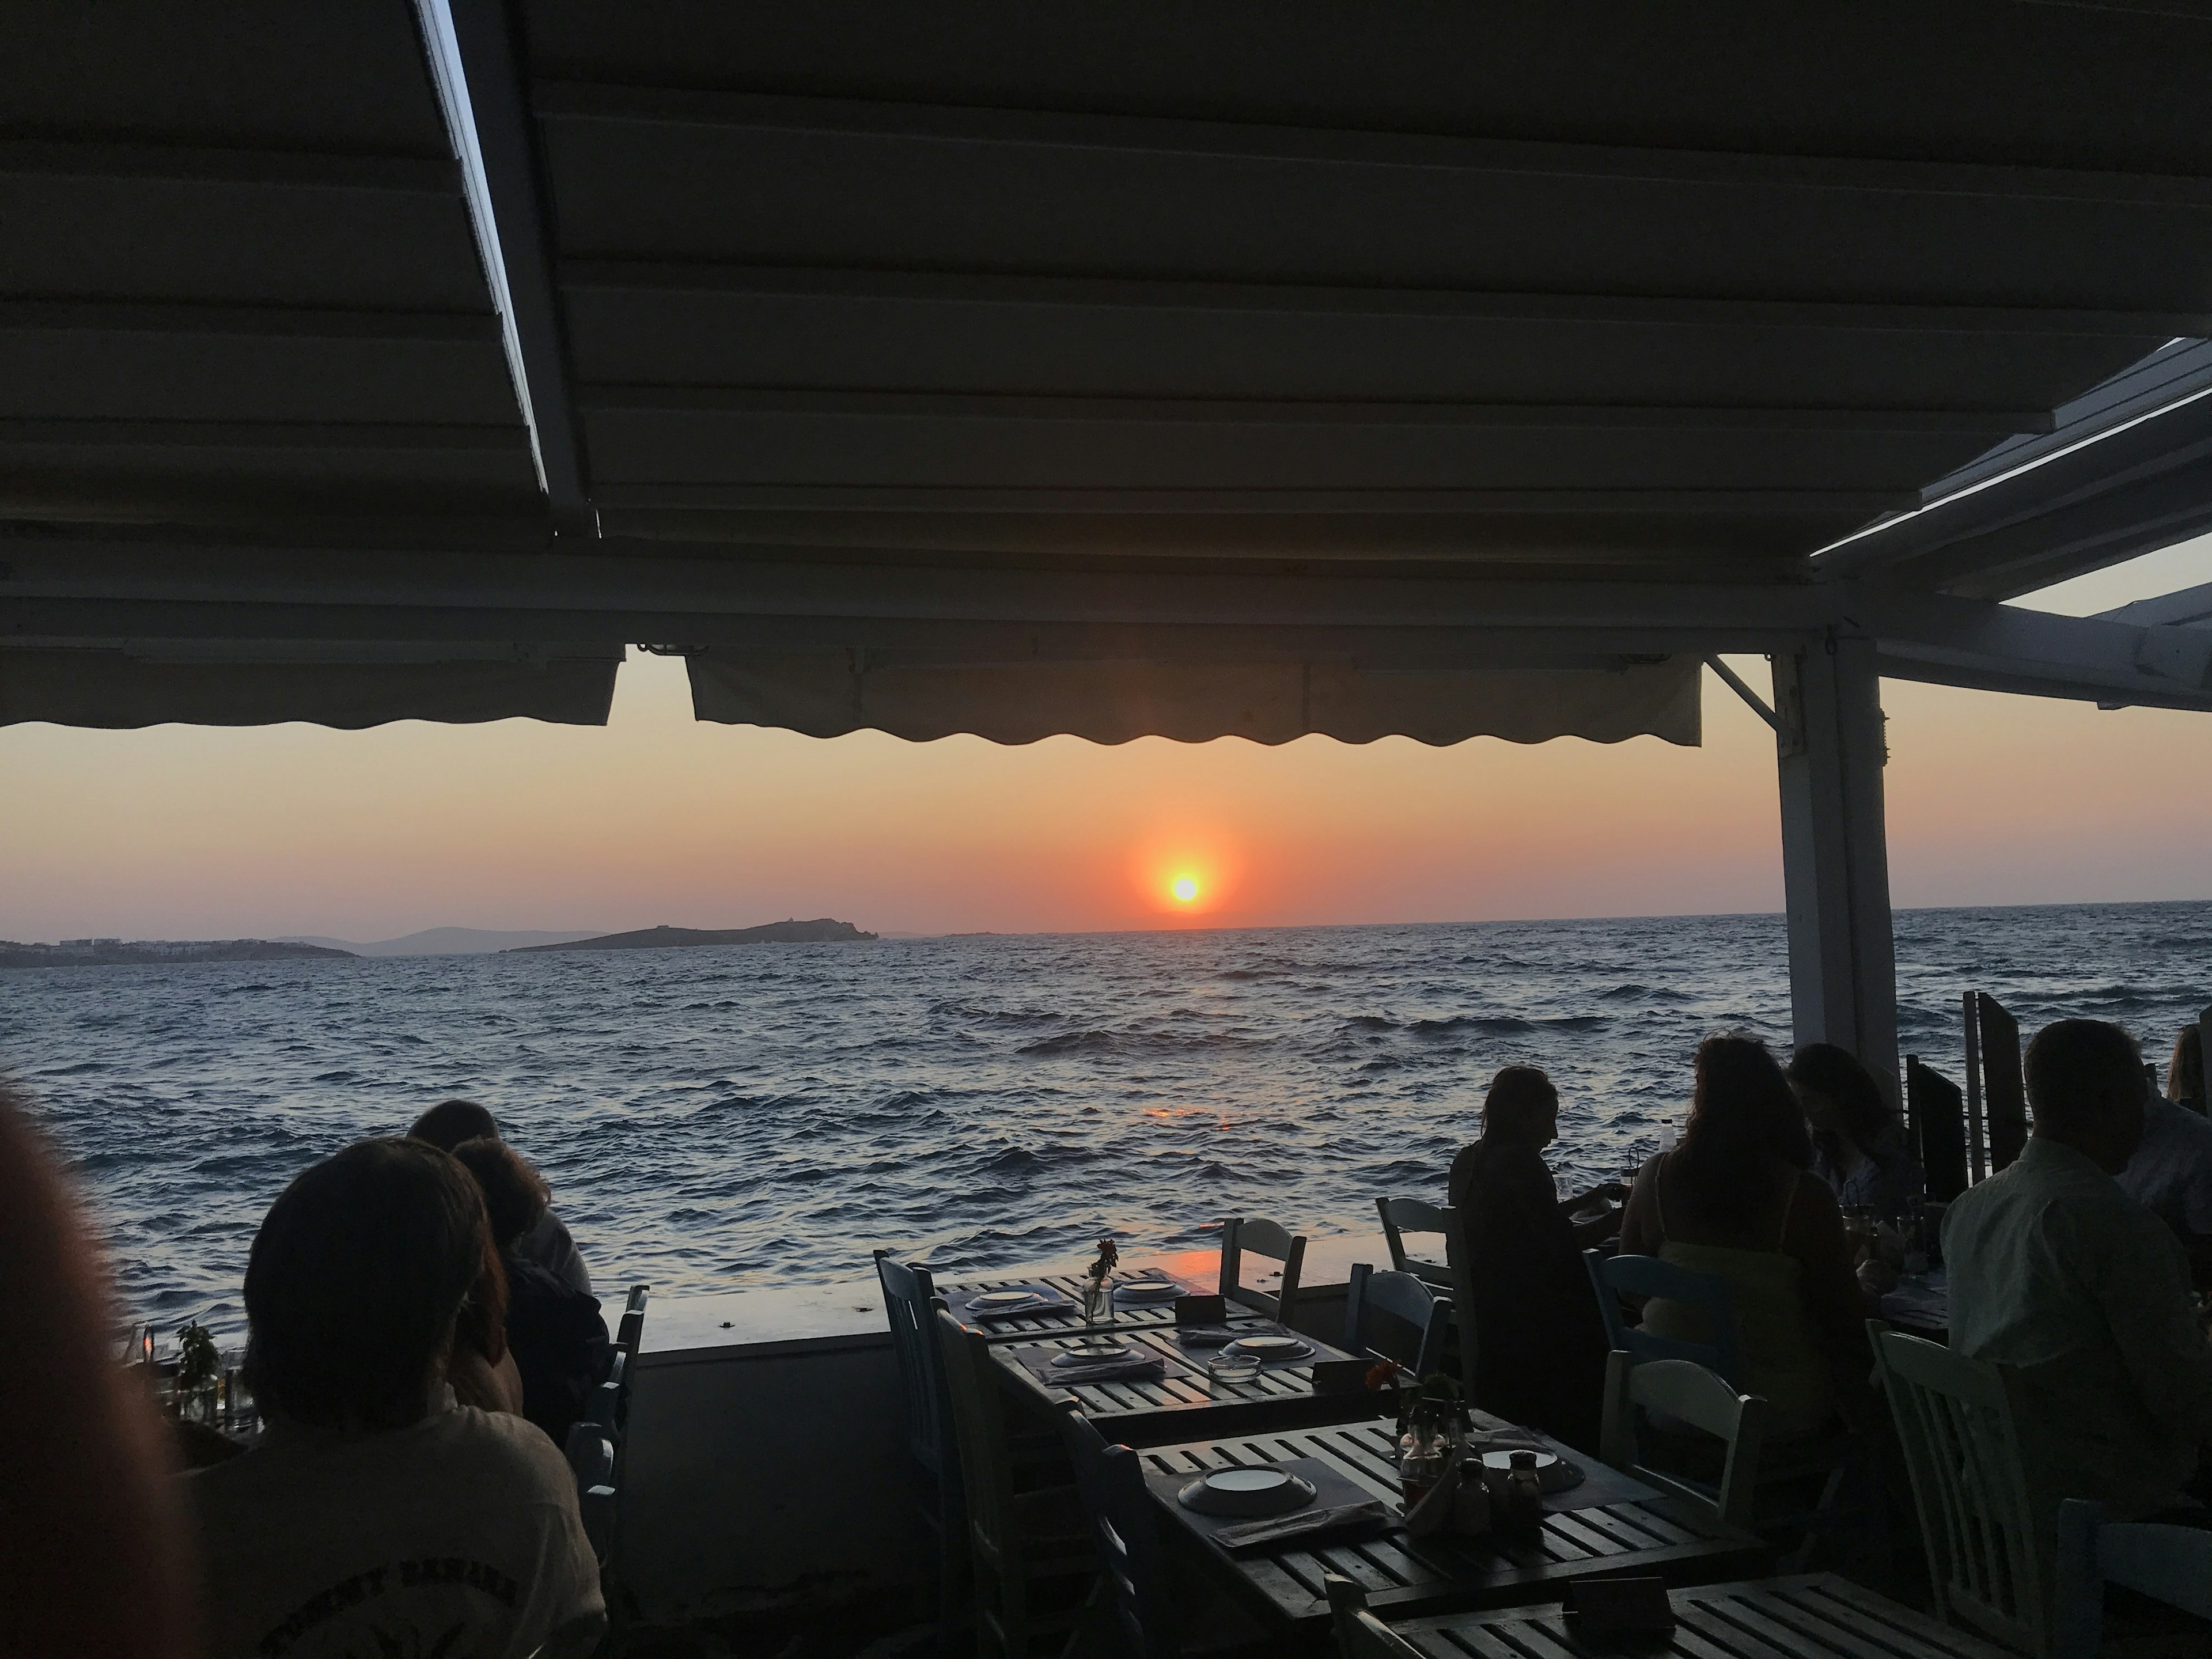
x,y
1183,1408
1821,1617
1632,1529
1028,1327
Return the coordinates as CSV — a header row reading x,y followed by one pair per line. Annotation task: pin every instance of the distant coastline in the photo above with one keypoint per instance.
x,y
127,953
822,931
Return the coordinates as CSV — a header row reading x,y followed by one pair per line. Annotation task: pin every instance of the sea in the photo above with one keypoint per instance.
x,y
711,1119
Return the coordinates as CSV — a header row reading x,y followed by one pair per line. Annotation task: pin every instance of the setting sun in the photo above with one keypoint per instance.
x,y
1185,889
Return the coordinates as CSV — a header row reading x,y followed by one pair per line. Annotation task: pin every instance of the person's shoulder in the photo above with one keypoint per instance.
x,y
501,1444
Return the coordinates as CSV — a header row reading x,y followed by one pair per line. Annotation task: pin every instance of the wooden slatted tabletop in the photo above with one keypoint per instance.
x,y
1182,1406
1821,1617
1028,1327
1403,1577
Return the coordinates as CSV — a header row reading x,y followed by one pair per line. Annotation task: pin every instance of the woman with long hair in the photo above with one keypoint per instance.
x,y
1858,1144
1737,1199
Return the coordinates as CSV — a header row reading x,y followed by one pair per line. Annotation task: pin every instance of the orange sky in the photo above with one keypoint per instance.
x,y
185,832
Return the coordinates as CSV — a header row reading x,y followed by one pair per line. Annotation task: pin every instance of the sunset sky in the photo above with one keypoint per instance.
x,y
193,832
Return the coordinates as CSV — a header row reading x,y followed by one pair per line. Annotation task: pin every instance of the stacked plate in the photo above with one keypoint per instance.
x,y
1247,1492
1105,1356
1149,1292
1265,1348
1003,1302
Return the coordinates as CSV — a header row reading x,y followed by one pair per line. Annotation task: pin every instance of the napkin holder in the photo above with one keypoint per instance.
x,y
1201,1310
1340,1376
1613,1610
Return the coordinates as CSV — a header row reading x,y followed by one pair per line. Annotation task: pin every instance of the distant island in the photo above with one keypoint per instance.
x,y
444,941
119,952
821,931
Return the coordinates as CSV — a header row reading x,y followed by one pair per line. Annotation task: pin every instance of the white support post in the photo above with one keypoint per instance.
x,y
1835,854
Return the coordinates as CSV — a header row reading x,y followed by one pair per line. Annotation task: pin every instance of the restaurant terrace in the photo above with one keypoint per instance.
x,y
1114,370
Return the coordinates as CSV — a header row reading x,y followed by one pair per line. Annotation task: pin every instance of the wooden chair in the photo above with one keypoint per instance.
x,y
1250,1235
630,1331
1692,1393
1019,1543
1977,1521
1404,1302
1134,1577
2173,1564
592,1461
1454,1275
1359,1633
1615,1276
933,1463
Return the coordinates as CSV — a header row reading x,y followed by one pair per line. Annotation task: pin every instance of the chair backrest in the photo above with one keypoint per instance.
x,y
631,1329
2172,1564
979,1426
1684,1392
1401,1216
1126,1528
592,1461
1359,1633
1401,1300
1955,1421
1936,1124
1454,1275
608,1401
909,1305
1613,1277
1251,1235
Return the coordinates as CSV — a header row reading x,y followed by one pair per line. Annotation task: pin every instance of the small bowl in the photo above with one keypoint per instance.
x,y
1226,1367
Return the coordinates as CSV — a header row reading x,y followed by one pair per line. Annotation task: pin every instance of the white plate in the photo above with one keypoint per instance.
x,y
1151,1291
1089,1356
994,1301
1247,1492
1271,1347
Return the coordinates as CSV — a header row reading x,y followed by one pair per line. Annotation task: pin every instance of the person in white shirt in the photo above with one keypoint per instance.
x,y
2171,1176
377,1516
2080,1293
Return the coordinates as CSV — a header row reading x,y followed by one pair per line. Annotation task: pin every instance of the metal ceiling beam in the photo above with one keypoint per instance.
x,y
472,61
381,436
643,592
591,399
902,498
1025,129
1080,292
2190,608
190,164
265,322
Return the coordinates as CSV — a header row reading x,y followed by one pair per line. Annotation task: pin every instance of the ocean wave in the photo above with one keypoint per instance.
x,y
994,1103
1484,1024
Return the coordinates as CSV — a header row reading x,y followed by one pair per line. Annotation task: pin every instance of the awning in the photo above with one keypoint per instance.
x,y
317,684
825,694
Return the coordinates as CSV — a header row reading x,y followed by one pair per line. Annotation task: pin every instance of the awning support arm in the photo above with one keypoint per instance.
x,y
1734,681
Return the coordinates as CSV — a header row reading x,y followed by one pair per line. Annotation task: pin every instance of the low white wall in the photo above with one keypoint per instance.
x,y
767,1474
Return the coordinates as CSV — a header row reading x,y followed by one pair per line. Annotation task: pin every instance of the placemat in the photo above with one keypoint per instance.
x,y
1145,1364
1331,1490
1055,1301
1205,1346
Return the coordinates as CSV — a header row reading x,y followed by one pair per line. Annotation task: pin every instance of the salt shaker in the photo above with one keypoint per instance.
x,y
1471,1501
1520,1512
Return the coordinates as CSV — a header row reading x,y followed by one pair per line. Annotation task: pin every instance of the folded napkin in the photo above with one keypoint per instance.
x,y
1109,1370
1246,1534
1206,1336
